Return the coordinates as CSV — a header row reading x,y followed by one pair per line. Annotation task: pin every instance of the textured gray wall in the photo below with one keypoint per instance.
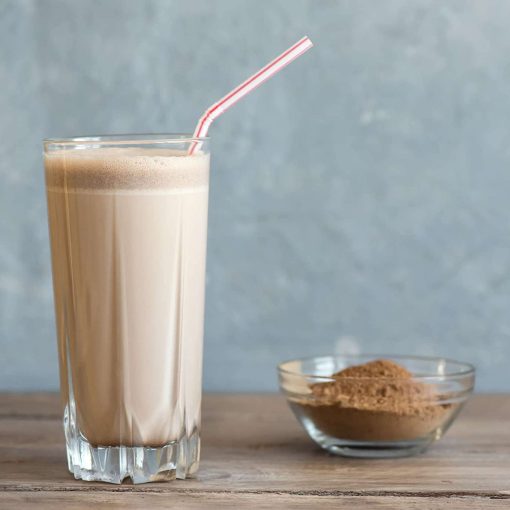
x,y
359,201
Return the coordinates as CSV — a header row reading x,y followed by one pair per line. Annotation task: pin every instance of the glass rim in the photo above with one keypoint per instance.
x,y
126,139
465,370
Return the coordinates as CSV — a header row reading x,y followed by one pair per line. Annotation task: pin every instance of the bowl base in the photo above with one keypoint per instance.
x,y
366,450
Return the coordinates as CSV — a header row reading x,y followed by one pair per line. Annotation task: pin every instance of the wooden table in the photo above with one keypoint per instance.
x,y
255,455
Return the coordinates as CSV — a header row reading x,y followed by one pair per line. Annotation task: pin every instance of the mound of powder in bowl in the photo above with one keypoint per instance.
x,y
376,401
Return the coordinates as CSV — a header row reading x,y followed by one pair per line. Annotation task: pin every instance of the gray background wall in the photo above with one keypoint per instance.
x,y
359,201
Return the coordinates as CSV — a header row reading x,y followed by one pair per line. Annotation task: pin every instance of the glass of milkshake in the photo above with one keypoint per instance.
x,y
128,228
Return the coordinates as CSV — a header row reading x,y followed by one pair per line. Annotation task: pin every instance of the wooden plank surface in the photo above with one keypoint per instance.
x,y
256,455
156,501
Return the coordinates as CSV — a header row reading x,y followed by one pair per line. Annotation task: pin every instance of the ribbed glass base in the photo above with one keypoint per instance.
x,y
113,464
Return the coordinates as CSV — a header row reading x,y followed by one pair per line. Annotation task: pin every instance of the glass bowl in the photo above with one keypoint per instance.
x,y
373,416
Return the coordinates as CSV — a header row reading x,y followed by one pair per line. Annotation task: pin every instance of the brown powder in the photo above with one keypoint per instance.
x,y
376,401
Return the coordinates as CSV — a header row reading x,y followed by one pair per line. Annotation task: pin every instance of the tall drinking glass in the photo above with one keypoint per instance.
x,y
128,229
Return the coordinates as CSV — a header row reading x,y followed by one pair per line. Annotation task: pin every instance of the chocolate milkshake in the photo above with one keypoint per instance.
x,y
128,232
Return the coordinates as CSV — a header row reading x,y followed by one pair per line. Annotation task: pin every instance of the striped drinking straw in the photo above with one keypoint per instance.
x,y
246,87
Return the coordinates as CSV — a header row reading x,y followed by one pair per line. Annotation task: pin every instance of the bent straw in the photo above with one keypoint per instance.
x,y
215,110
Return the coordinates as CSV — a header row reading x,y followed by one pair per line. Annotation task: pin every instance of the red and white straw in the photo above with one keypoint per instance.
x,y
247,86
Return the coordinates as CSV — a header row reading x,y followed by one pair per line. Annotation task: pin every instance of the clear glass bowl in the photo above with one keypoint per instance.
x,y
374,416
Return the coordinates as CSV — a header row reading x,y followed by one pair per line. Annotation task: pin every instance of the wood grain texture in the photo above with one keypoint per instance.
x,y
100,500
256,455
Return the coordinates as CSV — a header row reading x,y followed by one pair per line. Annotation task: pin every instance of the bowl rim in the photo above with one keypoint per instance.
x,y
467,368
